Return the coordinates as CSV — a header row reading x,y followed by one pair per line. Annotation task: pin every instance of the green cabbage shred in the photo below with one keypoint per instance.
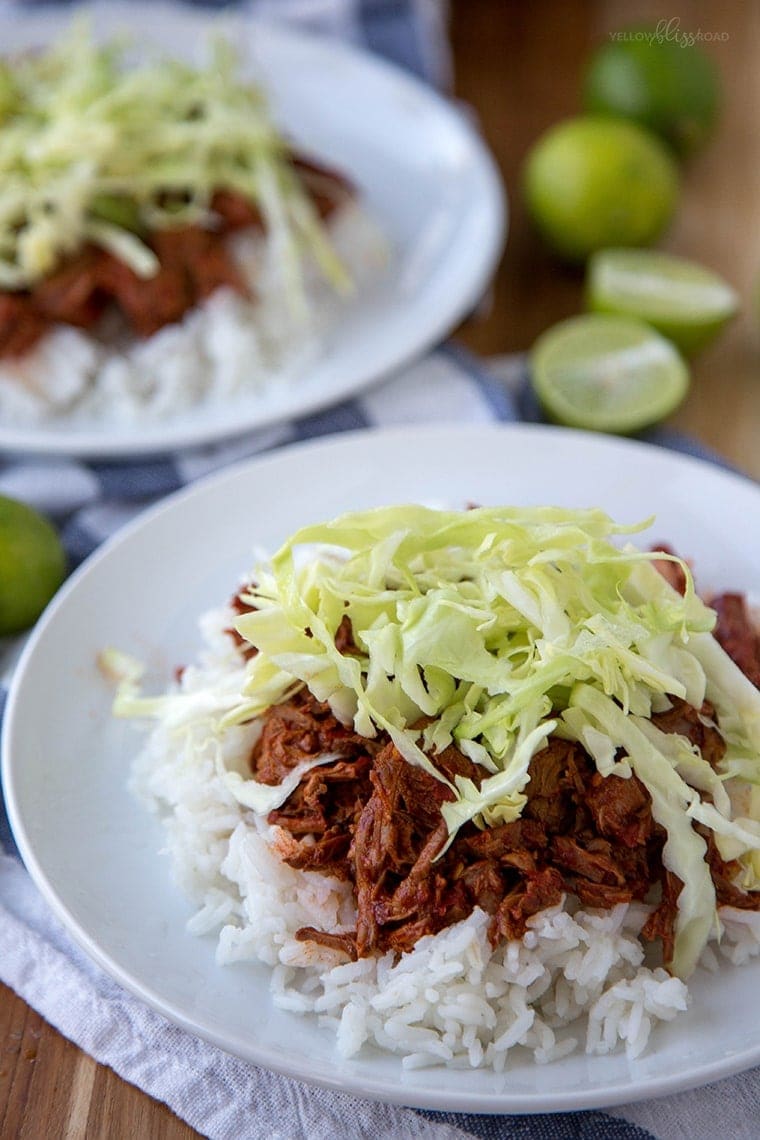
x,y
94,147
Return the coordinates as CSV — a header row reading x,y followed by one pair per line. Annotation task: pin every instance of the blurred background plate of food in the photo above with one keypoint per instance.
x,y
186,257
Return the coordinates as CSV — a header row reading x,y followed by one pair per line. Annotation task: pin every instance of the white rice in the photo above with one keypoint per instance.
x,y
577,979
225,349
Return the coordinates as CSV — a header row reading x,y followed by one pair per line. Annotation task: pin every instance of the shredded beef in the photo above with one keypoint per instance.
x,y
236,211
697,725
735,629
240,606
661,923
344,637
345,942
148,303
502,842
484,881
398,835
535,893
375,820
580,833
372,819
21,326
298,730
724,874
737,634
598,865
203,261
74,293
558,777
620,809
404,888
325,808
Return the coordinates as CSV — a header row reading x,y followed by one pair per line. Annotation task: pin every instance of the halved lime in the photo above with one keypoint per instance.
x,y
684,301
603,373
32,565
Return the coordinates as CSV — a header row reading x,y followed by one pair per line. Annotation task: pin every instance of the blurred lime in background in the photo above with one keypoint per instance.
x,y
594,181
32,565
657,78
606,373
686,302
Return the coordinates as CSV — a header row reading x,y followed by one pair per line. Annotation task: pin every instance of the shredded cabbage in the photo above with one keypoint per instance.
x,y
489,630
92,149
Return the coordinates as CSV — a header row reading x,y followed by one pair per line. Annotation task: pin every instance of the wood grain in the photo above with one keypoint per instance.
x,y
50,1090
518,65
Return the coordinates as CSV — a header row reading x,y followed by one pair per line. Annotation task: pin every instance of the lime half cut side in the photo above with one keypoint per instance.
x,y
605,373
686,302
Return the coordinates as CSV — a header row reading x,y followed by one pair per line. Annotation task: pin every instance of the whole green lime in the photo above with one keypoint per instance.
x,y
659,79
596,181
32,565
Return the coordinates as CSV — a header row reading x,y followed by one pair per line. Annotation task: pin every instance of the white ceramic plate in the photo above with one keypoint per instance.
x,y
93,851
423,173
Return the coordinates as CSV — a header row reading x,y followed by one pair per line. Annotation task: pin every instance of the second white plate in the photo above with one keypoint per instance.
x,y
94,852
421,169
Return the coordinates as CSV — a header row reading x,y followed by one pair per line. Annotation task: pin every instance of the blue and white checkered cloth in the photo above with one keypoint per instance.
x,y
218,1095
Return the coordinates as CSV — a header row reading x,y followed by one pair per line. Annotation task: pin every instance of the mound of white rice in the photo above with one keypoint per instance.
x,y
225,349
577,979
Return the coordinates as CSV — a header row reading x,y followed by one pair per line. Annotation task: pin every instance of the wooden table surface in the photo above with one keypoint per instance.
x,y
518,64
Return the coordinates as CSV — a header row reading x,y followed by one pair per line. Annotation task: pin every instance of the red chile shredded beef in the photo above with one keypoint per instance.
x,y
239,606
370,818
737,634
735,629
193,262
